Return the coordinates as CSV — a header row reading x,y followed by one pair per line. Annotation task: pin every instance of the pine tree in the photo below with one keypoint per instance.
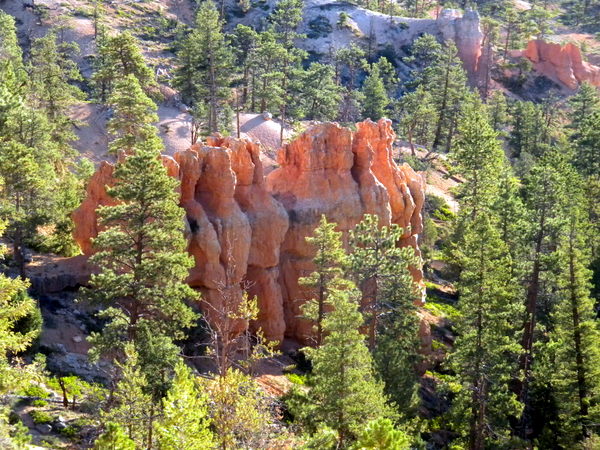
x,y
184,423
267,75
285,19
446,80
318,95
485,352
205,61
26,194
330,261
52,71
133,117
574,339
344,392
583,104
413,113
143,265
118,57
381,434
479,158
375,261
376,99
133,408
545,190
587,158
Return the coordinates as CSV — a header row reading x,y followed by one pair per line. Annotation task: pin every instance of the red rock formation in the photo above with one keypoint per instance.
x,y
85,217
563,64
330,170
247,231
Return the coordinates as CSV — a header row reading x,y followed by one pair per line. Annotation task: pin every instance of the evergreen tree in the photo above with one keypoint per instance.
x,y
318,95
381,434
344,392
133,117
446,80
184,424
118,57
375,262
330,261
583,104
133,409
376,99
26,195
413,113
267,74
240,414
205,62
479,158
143,266
545,190
574,338
485,353
51,72
587,158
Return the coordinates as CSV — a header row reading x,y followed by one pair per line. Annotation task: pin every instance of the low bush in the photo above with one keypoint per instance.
x,y
41,416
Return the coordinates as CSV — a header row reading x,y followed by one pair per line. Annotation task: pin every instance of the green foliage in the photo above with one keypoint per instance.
x,y
133,118
413,113
440,73
41,416
133,409
143,265
184,423
331,262
380,434
118,57
344,390
114,438
35,390
205,65
381,269
376,99
239,412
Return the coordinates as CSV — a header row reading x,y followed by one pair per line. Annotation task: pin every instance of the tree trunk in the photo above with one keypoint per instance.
x,y
63,388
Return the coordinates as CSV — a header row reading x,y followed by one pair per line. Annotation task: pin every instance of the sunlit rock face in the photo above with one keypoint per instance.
x,y
561,63
246,231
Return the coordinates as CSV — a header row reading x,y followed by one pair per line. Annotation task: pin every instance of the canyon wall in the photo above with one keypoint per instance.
x,y
561,63
247,231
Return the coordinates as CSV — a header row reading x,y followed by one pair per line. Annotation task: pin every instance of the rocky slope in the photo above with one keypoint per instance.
x,y
248,230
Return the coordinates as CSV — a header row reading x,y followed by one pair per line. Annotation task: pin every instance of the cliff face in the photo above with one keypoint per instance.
x,y
563,64
247,231
465,31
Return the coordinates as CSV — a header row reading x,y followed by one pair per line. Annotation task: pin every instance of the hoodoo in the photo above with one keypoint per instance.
x,y
248,231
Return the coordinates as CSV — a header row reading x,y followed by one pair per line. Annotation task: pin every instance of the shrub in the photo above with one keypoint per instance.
x,y
39,403
41,416
296,379
69,431
33,390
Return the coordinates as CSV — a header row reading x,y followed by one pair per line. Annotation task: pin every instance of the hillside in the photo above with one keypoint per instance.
x,y
312,224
